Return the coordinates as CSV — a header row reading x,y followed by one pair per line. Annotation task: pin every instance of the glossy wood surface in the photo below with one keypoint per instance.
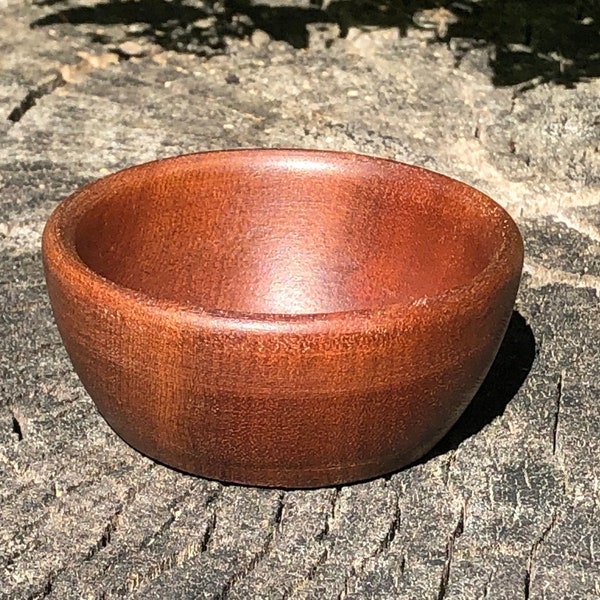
x,y
278,317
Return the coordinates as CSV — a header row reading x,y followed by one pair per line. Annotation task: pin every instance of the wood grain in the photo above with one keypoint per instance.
x,y
281,318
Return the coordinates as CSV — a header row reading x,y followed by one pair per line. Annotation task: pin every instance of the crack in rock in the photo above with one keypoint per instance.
x,y
458,531
392,530
310,575
18,424
102,542
320,538
530,570
50,83
449,467
486,587
173,515
112,525
107,533
176,558
330,516
393,526
47,590
345,589
68,73
556,424
136,580
262,553
356,570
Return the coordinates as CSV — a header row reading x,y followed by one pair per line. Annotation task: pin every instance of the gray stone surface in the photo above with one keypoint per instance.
x,y
506,507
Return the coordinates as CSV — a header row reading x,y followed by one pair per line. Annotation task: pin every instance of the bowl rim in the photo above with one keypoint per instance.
x,y
60,256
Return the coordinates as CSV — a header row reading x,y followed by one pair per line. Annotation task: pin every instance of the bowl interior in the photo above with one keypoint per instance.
x,y
286,233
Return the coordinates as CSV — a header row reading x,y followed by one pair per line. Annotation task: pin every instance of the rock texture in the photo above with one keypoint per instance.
x,y
506,507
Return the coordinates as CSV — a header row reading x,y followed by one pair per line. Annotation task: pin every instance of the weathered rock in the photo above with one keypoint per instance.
x,y
505,507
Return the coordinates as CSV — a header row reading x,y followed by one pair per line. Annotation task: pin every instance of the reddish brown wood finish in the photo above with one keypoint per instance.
x,y
281,317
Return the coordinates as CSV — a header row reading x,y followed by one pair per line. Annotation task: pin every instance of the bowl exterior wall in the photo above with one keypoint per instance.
x,y
341,402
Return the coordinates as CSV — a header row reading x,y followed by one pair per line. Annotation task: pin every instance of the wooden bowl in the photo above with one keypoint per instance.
x,y
281,317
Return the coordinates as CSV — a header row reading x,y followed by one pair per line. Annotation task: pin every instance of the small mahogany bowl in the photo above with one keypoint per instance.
x,y
281,317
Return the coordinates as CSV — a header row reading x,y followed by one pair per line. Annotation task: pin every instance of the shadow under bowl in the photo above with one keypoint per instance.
x,y
283,318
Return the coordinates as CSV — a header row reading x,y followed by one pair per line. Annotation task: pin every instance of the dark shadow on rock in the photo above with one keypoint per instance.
x,y
173,25
507,374
535,39
284,23
163,18
530,40
203,27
